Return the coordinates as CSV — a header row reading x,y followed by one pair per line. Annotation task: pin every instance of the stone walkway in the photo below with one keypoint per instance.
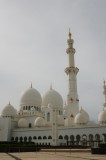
x,y
51,156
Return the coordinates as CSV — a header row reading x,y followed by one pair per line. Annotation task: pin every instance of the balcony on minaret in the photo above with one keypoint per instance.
x,y
71,69
70,50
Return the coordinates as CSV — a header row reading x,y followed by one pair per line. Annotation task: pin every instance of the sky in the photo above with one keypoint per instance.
x,y
33,42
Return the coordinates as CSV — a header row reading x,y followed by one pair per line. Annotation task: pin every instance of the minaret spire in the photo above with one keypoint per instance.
x,y
71,71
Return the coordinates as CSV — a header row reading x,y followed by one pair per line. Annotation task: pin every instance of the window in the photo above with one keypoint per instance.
x,y
48,117
21,139
60,137
78,138
97,137
66,137
25,139
44,137
16,139
30,125
72,137
30,138
49,137
12,138
34,137
39,137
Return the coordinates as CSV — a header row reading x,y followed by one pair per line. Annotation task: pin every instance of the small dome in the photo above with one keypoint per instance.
x,y
82,117
31,97
102,117
52,97
22,123
39,122
9,111
60,120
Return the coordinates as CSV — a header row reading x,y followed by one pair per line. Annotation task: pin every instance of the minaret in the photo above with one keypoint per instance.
x,y
104,92
71,71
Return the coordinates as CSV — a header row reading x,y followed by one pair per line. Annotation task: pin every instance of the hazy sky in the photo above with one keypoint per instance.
x,y
33,42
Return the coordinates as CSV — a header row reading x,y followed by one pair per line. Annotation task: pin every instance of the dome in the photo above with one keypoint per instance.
x,y
52,97
9,111
60,120
22,123
102,117
31,97
39,122
82,117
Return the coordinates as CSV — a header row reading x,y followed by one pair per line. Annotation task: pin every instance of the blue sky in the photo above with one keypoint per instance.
x,y
33,42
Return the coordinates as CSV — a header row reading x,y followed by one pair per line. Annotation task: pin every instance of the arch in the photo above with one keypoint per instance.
x,y
25,139
16,139
44,137
104,136
78,138
66,137
12,139
90,137
84,137
49,137
48,117
34,137
21,139
72,137
39,137
60,137
97,137
30,139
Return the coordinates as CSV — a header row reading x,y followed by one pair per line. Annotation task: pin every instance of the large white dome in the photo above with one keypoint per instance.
x,y
82,117
39,122
52,97
22,123
31,97
102,117
9,111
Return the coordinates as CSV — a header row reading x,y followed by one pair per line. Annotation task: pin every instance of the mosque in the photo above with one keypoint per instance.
x,y
46,121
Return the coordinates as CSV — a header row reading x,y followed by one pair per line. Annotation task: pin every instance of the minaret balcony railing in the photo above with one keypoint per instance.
x,y
71,69
70,50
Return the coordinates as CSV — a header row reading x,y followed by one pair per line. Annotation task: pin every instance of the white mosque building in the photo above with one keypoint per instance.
x,y
46,121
